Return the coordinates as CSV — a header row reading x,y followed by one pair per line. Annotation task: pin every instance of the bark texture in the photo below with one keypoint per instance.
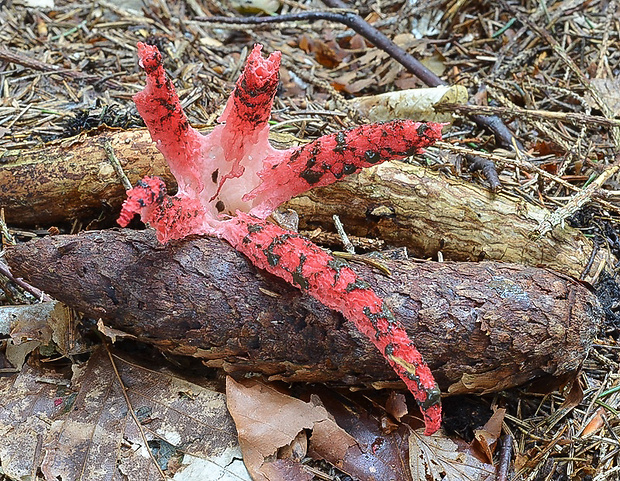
x,y
403,204
481,327
407,205
73,178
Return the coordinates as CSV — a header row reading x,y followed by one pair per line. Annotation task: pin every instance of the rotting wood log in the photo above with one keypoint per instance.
x,y
462,220
73,178
400,203
481,327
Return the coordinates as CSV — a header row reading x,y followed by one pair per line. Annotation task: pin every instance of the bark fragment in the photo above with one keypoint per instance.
x,y
481,327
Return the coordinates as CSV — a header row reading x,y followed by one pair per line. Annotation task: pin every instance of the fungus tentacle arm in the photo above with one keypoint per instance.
x,y
159,106
303,264
232,178
331,157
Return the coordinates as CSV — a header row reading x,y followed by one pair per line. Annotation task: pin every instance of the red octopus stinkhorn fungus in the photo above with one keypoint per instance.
x,y
232,179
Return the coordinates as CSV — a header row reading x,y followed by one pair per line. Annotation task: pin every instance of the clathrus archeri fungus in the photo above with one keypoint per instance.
x,y
232,179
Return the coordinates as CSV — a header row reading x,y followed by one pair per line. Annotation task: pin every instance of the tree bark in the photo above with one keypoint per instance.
x,y
403,204
427,212
481,327
73,178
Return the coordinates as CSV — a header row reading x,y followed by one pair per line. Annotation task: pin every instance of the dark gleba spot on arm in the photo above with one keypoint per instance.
x,y
298,277
311,176
372,157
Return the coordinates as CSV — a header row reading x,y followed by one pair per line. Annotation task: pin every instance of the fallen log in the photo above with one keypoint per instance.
x,y
400,203
72,179
407,205
482,327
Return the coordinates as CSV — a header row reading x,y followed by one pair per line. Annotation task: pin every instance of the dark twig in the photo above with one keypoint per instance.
x,y
40,295
19,58
132,411
379,40
586,270
488,169
505,457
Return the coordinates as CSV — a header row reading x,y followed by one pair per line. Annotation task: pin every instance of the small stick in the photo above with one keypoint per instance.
x,y
586,270
40,295
504,460
527,166
118,168
365,260
18,58
575,118
379,40
346,243
7,237
131,410
577,201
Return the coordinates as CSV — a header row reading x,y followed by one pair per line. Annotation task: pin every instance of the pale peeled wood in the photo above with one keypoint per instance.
x,y
426,211
401,203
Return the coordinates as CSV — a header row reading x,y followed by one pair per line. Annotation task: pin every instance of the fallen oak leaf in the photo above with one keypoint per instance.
x,y
440,458
269,420
485,438
79,428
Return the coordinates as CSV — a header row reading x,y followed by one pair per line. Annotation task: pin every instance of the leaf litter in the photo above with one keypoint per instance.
x,y
76,425
486,41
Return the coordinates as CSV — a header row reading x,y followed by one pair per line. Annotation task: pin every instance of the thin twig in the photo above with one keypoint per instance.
x,y
571,117
586,270
40,295
118,168
577,201
18,58
526,166
379,40
570,63
346,243
365,260
131,411
504,461
7,237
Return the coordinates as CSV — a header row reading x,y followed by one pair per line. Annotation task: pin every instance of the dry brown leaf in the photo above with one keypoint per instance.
x,y
27,322
44,323
16,353
268,420
112,333
380,453
85,431
574,396
439,458
34,325
596,423
396,405
328,54
485,439
435,64
30,401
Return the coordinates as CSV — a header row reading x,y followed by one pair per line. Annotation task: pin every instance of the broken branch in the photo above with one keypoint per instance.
x,y
481,327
